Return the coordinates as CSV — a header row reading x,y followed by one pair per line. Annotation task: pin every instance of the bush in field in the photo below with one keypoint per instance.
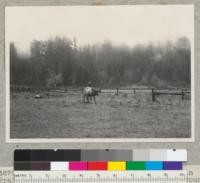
x,y
155,81
145,80
54,80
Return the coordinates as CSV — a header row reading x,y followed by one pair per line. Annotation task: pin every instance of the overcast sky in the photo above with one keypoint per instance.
x,y
128,25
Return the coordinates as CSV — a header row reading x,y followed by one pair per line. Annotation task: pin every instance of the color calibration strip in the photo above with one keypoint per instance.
x,y
111,160
98,165
101,155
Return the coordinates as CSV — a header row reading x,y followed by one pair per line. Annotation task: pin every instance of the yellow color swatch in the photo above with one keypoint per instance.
x,y
116,165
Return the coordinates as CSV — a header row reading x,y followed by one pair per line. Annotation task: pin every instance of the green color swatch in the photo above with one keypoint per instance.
x,y
135,165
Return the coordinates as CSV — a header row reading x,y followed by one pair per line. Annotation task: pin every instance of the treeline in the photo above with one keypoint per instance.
x,y
61,62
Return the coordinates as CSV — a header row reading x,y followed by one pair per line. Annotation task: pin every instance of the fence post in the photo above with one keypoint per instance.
x,y
134,90
153,95
117,91
182,94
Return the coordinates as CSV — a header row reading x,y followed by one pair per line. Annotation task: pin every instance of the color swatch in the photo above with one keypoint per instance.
x,y
97,165
59,166
117,165
78,165
154,165
137,165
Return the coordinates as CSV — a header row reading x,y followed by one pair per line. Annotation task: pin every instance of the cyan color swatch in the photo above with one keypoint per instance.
x,y
154,165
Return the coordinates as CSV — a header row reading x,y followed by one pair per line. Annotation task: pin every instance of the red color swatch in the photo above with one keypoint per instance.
x,y
97,165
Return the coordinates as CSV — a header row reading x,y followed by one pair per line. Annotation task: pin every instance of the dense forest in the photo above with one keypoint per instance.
x,y
59,62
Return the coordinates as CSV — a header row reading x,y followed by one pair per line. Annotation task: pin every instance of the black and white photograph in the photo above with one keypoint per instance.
x,y
100,72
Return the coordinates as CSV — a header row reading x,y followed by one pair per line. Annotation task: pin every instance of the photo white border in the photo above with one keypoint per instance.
x,y
98,140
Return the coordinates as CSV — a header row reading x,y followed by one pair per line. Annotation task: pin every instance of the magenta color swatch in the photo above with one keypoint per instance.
x,y
78,165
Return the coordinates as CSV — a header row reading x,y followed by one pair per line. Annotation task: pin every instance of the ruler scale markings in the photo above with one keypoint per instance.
x,y
119,176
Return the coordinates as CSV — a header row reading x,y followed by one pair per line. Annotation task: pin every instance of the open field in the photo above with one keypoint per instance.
x,y
64,115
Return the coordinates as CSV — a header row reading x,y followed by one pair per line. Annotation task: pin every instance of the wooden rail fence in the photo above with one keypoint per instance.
x,y
184,93
181,92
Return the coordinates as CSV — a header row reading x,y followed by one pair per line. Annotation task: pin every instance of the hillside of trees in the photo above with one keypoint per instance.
x,y
59,62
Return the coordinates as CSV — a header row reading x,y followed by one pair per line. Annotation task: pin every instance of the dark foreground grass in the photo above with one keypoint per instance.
x,y
123,116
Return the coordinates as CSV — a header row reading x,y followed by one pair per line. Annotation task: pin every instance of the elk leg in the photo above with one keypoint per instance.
x,y
84,98
94,99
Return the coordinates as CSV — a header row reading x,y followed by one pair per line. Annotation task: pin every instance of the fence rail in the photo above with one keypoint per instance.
x,y
182,93
154,92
